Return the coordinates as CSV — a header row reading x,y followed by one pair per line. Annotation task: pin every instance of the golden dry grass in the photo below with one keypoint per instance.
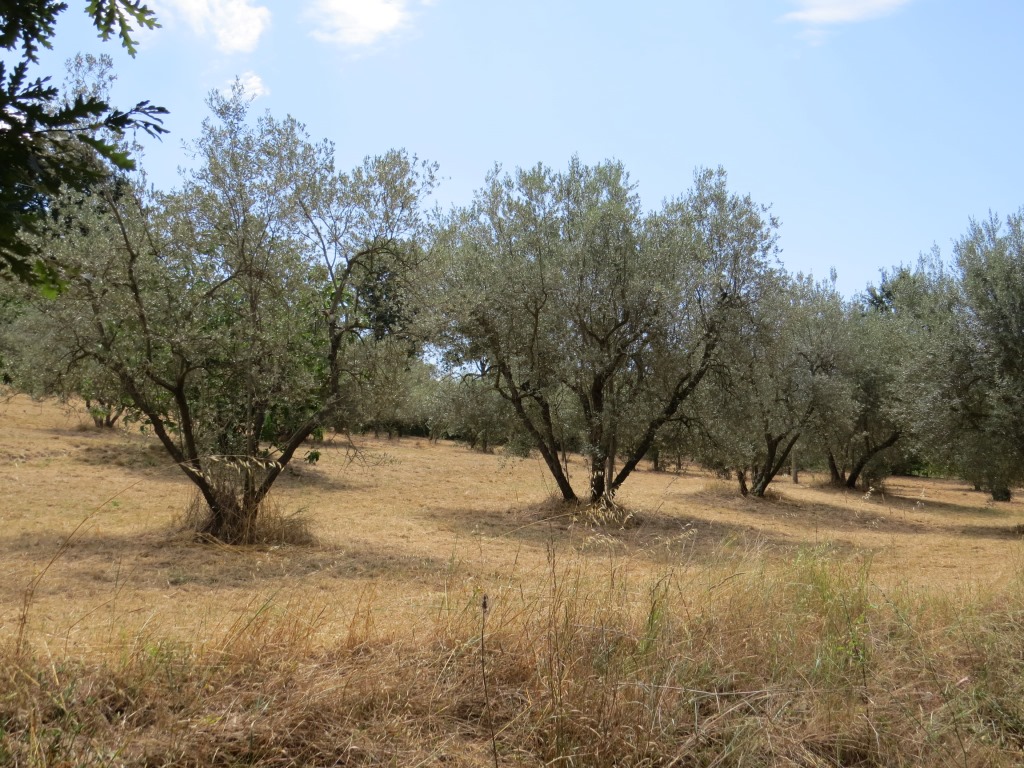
x,y
818,628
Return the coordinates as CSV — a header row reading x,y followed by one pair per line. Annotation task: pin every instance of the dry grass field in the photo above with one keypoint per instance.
x,y
815,628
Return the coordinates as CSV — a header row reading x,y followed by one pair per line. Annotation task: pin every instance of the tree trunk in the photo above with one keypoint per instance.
x,y
232,521
612,450
544,441
741,477
773,464
104,415
113,416
684,388
1001,493
870,453
597,478
837,478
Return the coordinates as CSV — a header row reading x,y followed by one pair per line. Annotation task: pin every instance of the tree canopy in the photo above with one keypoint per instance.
x,y
595,321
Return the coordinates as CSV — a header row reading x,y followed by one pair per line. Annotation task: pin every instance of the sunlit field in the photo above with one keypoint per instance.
x,y
815,628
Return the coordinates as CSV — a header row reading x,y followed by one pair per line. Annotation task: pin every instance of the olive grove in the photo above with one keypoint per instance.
x,y
271,296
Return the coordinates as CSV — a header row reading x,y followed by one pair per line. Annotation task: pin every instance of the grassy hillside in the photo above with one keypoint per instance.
x,y
816,628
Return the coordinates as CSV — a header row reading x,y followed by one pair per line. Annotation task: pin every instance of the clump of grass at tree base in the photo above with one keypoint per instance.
x,y
271,527
803,662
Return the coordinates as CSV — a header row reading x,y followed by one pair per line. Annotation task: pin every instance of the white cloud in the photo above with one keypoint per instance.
x,y
819,13
253,84
236,25
357,23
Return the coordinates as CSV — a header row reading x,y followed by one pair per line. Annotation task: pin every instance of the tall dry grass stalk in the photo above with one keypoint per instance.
x,y
803,663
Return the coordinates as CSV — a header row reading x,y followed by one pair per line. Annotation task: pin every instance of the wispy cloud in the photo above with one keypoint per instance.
x,y
359,23
821,13
236,25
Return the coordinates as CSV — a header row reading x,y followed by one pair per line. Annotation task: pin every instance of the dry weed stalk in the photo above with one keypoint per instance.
x,y
804,664
28,595
483,676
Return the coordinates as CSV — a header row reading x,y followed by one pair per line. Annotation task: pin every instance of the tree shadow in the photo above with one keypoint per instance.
x,y
846,518
844,512
655,536
930,506
303,475
895,498
172,559
998,532
143,453
125,451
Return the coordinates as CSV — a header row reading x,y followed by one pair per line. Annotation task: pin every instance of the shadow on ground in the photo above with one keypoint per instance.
x,y
655,536
164,560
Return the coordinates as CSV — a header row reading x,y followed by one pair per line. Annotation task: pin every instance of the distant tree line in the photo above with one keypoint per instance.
x,y
272,296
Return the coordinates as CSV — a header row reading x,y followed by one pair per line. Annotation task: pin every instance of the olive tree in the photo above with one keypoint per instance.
x,y
575,299
950,399
394,392
228,311
979,428
468,409
778,380
860,438
990,265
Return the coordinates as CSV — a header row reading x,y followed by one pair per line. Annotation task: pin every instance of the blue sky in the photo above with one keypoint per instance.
x,y
874,128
